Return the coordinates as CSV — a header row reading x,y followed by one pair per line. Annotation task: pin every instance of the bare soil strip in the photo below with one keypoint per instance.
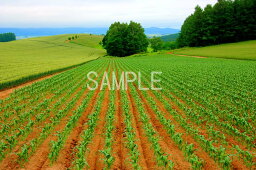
x,y
119,151
186,55
6,92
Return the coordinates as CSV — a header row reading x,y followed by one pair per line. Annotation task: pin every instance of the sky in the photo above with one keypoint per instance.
x,y
96,13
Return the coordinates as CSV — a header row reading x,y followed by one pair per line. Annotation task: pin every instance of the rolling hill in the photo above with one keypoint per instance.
x,y
241,50
27,59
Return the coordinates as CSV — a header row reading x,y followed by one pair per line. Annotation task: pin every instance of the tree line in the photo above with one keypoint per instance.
x,y
226,21
5,37
73,37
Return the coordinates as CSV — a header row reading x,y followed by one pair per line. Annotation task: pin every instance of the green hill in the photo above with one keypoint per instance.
x,y
27,59
241,50
171,37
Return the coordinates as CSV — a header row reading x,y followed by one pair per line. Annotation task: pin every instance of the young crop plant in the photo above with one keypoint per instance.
x,y
23,155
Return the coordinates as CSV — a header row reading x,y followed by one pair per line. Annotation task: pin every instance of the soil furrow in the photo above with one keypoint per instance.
x,y
118,147
147,152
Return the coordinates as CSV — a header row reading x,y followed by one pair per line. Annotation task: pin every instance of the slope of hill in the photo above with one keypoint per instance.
x,y
27,59
88,40
241,50
171,37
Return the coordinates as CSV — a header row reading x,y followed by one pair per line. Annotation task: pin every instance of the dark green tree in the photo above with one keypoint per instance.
x,y
136,40
156,43
124,39
226,21
223,21
170,45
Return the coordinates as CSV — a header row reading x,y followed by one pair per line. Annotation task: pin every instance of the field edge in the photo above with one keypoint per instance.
x,y
14,83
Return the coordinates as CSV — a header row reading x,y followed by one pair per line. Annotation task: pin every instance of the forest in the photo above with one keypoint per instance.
x,y
226,21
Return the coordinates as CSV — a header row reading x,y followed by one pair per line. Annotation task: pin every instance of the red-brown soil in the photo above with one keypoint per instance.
x,y
6,92
120,152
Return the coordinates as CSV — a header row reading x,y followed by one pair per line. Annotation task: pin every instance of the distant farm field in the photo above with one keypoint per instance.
x,y
241,50
203,118
34,57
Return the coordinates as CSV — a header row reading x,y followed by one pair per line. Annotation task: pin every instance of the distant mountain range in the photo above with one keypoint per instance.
x,y
36,32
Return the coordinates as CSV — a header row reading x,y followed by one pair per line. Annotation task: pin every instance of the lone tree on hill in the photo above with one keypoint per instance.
x,y
124,39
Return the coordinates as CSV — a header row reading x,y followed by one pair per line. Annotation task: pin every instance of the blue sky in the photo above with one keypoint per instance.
x,y
96,13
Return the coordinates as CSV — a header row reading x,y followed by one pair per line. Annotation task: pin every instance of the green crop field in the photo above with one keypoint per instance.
x,y
242,50
26,59
203,118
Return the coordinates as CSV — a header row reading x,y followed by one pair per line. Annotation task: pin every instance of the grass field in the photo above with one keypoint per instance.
x,y
26,59
204,117
88,40
242,50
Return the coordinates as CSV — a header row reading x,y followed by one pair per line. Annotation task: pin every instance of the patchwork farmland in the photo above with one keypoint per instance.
x,y
203,118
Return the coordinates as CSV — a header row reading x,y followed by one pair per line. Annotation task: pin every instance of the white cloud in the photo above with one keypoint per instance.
x,y
96,13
